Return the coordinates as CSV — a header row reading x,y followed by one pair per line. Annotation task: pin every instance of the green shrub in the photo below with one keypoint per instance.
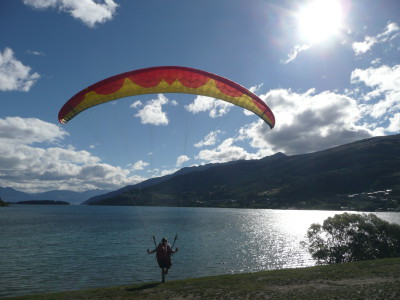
x,y
352,237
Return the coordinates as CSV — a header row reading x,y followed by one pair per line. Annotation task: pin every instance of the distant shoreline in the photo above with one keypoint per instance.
x,y
43,202
317,207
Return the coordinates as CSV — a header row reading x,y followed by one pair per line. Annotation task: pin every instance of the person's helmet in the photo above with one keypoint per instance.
x,y
164,240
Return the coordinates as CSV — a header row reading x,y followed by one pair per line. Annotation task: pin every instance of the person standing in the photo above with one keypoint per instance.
x,y
164,252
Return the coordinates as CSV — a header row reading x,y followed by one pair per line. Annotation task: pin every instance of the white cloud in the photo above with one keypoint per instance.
x,y
181,160
385,84
256,88
152,112
391,31
295,51
394,125
89,12
158,172
376,61
27,165
15,76
139,165
136,104
167,172
209,140
307,122
36,53
383,78
227,151
364,46
216,108
28,131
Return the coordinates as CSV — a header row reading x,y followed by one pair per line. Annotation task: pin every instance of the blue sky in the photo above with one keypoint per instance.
x,y
330,78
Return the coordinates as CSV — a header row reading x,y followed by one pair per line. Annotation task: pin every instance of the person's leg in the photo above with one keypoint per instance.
x,y
163,274
167,266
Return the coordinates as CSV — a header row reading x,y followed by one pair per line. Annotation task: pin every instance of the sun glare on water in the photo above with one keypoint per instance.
x,y
319,20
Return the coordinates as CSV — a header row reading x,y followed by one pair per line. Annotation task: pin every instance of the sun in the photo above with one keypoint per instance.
x,y
319,20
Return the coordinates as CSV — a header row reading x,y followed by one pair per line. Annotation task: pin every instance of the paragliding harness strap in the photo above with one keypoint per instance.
x,y
176,237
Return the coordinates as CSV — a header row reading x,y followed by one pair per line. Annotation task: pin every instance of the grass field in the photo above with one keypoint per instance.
x,y
378,279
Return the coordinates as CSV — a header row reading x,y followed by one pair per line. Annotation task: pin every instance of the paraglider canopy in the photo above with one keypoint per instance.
x,y
165,79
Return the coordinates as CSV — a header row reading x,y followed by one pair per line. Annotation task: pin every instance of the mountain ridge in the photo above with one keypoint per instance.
x,y
322,179
12,195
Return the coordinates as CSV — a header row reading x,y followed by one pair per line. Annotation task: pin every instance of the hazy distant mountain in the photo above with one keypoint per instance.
x,y
147,183
322,178
11,195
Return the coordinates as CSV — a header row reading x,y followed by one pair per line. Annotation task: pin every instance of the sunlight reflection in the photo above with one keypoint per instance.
x,y
273,239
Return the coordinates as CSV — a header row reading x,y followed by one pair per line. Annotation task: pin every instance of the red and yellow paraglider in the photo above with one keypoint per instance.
x,y
165,80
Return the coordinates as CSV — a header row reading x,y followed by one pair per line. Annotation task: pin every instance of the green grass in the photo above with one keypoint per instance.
x,y
379,279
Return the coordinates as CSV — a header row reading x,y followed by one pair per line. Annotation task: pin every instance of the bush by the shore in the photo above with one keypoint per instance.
x,y
2,203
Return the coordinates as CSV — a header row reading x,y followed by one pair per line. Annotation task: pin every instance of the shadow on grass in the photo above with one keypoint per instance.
x,y
143,287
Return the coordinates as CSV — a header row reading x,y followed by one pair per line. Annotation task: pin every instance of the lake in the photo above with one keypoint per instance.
x,y
58,248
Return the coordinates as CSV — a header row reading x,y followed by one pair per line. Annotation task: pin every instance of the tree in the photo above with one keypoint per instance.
x,y
351,237
2,203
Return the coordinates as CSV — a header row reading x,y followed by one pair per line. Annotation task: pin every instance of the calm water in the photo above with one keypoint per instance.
x,y
57,248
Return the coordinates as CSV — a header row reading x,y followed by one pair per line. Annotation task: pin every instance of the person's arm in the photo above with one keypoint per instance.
x,y
152,251
170,249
